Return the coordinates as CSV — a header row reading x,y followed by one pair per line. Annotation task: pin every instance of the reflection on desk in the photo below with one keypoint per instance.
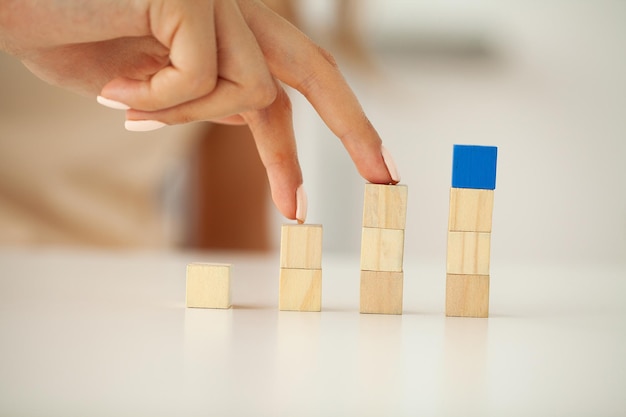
x,y
84,333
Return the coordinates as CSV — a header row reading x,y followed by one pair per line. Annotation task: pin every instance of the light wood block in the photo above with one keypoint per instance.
x,y
384,206
208,285
470,210
467,295
301,246
468,253
300,290
381,292
382,249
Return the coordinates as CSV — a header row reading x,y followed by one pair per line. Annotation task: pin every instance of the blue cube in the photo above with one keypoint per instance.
x,y
474,167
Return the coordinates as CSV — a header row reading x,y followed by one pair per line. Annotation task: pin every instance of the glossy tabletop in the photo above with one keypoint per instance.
x,y
108,334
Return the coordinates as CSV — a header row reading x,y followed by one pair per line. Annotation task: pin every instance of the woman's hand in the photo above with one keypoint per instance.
x,y
177,61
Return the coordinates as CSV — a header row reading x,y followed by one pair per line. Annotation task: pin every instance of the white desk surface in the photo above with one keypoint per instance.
x,y
107,334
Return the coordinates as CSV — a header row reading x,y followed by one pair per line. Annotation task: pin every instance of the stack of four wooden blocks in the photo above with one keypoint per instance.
x,y
469,230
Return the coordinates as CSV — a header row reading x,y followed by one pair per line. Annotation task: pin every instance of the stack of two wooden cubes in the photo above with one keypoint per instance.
x,y
382,248
469,230
300,285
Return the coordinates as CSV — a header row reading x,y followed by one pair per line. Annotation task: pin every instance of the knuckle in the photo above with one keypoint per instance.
x,y
328,57
261,93
282,161
322,63
203,83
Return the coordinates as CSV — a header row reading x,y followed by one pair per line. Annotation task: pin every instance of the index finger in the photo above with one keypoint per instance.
x,y
300,63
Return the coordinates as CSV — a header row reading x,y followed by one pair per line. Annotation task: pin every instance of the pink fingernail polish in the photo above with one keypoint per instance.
x,y
111,103
143,125
301,204
391,164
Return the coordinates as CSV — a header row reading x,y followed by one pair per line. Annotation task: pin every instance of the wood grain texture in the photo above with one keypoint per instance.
x,y
301,246
382,249
384,206
467,295
468,253
208,285
300,290
470,210
381,292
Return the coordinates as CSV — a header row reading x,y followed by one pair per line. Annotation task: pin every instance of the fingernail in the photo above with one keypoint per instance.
x,y
391,164
143,125
111,103
301,204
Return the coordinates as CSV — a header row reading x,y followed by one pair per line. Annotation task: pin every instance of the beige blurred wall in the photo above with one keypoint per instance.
x,y
545,82
70,174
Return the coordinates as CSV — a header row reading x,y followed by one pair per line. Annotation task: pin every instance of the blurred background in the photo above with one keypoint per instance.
x,y
545,82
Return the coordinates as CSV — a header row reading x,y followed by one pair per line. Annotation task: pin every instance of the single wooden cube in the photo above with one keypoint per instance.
x,y
470,210
301,246
467,295
382,249
384,206
468,253
381,292
208,285
300,290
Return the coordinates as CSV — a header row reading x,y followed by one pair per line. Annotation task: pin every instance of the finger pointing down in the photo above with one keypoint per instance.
x,y
273,133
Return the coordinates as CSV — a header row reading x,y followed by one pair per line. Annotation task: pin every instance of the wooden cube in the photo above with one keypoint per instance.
x,y
208,285
384,206
300,289
468,253
470,210
301,246
381,292
382,249
467,295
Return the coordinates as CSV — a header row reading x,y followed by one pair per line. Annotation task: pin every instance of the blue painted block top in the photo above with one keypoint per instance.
x,y
474,167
